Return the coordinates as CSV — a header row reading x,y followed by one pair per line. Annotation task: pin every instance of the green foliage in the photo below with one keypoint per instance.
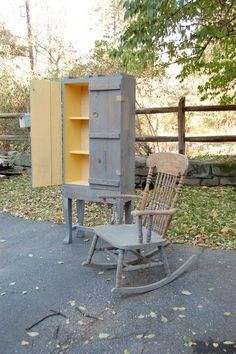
x,y
199,35
98,63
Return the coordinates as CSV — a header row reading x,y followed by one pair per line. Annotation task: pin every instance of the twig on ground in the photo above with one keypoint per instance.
x,y
54,313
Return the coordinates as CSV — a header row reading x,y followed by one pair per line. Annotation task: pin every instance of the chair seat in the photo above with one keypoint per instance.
x,y
126,236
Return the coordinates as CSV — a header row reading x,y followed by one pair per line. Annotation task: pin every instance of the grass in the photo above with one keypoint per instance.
x,y
205,216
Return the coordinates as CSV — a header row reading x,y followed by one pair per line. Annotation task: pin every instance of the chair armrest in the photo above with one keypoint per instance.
x,y
120,196
153,212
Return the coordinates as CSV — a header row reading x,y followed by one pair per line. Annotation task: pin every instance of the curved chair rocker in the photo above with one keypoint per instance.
x,y
153,219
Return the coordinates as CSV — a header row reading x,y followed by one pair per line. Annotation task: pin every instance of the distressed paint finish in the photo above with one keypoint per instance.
x,y
98,140
112,133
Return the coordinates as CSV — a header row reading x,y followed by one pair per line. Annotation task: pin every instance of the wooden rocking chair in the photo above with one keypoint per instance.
x,y
153,219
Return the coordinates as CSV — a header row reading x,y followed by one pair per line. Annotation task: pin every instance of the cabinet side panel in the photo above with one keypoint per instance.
x,y
41,133
56,133
128,136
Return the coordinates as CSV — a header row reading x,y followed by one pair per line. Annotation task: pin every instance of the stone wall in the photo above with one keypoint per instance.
x,y
200,173
13,163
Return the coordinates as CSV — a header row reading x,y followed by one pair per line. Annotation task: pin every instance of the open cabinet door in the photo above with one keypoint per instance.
x,y
46,133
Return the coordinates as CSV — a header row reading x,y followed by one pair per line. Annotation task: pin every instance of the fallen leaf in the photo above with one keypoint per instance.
x,y
226,230
149,336
82,308
186,292
187,340
213,214
71,302
164,319
64,346
179,308
33,334
153,314
210,289
141,316
24,343
103,335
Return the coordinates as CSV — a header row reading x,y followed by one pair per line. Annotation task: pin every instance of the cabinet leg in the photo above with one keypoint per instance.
x,y
67,208
118,211
80,216
128,209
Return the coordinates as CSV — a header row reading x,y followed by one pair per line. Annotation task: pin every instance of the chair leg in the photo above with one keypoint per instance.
x,y
165,261
119,270
91,250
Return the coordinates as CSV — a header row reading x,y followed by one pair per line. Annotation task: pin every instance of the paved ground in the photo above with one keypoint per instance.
x,y
39,274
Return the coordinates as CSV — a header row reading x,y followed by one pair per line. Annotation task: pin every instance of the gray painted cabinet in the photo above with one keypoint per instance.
x,y
98,139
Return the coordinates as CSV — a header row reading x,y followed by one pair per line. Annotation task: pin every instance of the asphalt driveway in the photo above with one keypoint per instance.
x,y
49,303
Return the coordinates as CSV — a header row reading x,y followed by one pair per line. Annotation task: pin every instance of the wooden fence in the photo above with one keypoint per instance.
x,y
20,138
181,138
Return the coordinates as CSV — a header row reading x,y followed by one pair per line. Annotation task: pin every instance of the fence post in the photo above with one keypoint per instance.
x,y
181,125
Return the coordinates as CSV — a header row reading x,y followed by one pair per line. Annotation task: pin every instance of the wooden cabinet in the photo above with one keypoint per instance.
x,y
98,136
88,124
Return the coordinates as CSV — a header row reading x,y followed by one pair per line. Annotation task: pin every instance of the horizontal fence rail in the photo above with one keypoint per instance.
x,y
13,138
181,138
215,108
11,115
19,138
197,139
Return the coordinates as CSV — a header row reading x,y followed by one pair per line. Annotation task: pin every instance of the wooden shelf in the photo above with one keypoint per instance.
x,y
79,181
79,118
76,133
79,152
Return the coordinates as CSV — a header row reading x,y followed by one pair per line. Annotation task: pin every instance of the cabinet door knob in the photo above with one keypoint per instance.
x,y
95,114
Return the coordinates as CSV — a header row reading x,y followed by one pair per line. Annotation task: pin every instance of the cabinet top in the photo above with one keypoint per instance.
x,y
91,78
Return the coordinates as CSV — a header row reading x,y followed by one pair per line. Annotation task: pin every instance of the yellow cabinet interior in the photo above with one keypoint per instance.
x,y
76,133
